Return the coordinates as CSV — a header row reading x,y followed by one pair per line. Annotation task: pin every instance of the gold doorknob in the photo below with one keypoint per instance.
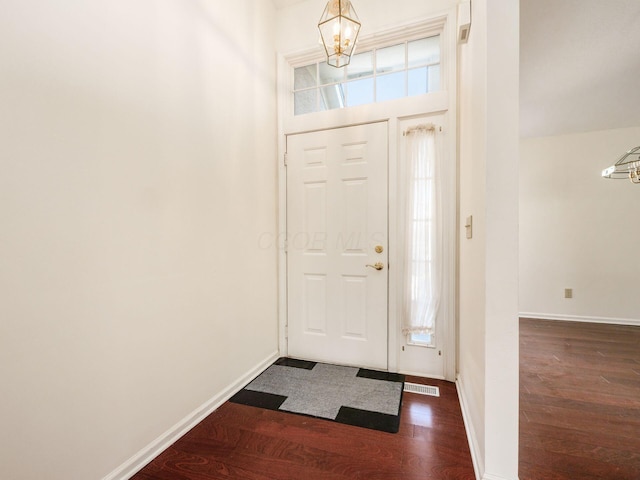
x,y
377,266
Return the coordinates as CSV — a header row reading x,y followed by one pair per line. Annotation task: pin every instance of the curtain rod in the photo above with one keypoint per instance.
x,y
427,127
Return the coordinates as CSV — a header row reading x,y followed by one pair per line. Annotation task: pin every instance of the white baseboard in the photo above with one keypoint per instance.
x,y
472,438
580,318
488,476
164,441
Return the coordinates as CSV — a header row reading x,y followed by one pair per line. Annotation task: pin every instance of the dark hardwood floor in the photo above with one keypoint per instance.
x,y
241,442
579,401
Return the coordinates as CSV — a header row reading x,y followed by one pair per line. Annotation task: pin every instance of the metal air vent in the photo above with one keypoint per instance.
x,y
422,389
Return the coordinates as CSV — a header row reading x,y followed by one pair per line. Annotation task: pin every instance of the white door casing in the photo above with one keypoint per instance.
x,y
417,359
337,214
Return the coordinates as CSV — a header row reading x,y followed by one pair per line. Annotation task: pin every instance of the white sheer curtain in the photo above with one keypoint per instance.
x,y
422,229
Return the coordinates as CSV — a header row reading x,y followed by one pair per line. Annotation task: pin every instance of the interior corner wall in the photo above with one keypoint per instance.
x,y
489,144
472,260
137,203
578,230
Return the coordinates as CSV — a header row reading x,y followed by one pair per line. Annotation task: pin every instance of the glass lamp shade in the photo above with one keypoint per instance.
x,y
339,27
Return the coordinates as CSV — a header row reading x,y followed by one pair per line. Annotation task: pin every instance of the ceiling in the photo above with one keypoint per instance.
x,y
579,65
286,3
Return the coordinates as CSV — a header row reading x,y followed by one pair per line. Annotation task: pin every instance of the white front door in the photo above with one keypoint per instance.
x,y
337,225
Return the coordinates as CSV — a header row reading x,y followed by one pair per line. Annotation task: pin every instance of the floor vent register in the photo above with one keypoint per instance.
x,y
422,389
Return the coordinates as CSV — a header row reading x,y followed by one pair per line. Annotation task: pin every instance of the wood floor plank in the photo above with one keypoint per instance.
x,y
580,419
588,449
579,401
239,442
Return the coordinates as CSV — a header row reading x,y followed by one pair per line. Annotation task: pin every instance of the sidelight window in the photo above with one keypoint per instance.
x,y
422,222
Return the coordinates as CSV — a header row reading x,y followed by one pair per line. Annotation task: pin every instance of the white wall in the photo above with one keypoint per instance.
x,y
137,171
472,260
578,230
488,367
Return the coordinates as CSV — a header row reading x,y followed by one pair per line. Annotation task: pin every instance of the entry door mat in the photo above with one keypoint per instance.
x,y
354,396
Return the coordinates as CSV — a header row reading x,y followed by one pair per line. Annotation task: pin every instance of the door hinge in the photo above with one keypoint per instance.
x,y
286,159
286,331
286,246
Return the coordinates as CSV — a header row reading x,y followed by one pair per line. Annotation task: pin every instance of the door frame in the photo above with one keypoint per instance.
x,y
442,104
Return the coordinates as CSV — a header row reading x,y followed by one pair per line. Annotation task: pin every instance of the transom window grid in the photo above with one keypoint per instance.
x,y
401,70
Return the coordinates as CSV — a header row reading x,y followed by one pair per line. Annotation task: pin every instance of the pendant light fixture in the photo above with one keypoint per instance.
x,y
339,27
627,166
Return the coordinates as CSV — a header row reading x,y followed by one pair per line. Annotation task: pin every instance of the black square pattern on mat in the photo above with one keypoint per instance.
x,y
293,362
349,395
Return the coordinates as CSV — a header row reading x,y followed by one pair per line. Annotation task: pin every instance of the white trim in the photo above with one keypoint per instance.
x,y
407,31
283,101
580,318
164,441
488,476
446,323
421,375
392,239
450,215
451,234
476,455
429,103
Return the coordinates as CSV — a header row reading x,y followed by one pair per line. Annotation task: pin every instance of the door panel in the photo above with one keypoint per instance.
x,y
337,208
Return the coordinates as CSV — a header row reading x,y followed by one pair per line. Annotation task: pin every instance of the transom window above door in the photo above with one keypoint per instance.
x,y
402,70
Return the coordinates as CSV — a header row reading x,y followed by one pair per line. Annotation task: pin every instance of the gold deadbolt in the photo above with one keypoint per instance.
x,y
379,249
